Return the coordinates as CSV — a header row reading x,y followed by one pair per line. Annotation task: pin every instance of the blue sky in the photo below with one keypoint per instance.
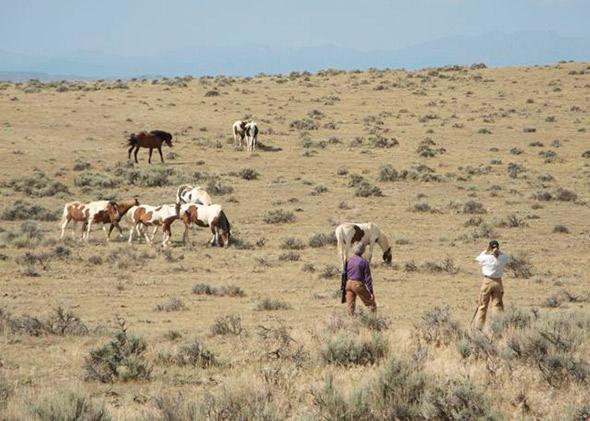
x,y
124,27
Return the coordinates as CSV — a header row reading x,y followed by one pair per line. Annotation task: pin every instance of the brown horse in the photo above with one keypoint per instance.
x,y
151,140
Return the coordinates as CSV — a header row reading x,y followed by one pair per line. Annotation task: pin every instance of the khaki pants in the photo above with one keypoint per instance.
x,y
354,288
491,291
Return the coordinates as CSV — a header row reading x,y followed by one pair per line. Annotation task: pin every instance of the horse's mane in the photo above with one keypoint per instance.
x,y
224,222
162,135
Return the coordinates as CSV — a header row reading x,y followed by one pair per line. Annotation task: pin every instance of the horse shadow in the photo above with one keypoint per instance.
x,y
267,148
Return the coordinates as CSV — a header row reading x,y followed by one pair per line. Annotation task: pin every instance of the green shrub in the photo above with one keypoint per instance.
x,y
278,216
6,389
150,177
23,210
93,179
37,185
271,304
218,188
289,256
227,325
388,173
120,359
373,321
292,243
195,354
366,189
520,265
322,240
230,290
457,401
511,318
346,350
240,402
248,174
437,327
473,207
172,304
70,405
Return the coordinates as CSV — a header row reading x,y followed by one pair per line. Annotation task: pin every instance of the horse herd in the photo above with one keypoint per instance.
x,y
193,206
156,138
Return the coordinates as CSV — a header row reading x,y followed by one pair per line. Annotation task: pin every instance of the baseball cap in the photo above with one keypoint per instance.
x,y
494,244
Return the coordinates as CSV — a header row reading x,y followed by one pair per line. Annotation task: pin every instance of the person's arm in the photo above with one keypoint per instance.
x,y
482,258
368,278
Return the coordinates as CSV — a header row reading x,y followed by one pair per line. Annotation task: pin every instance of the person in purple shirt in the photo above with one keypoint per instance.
x,y
359,281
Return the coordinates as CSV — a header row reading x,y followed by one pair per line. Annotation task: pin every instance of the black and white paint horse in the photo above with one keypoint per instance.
x,y
368,233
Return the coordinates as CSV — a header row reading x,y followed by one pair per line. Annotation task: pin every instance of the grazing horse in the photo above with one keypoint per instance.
x,y
151,140
206,216
251,136
144,216
101,211
239,130
192,194
368,234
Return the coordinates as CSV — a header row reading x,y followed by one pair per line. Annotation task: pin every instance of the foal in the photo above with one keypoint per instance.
x,y
151,140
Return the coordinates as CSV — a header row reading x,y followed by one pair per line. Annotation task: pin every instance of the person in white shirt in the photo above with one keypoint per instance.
x,y
492,262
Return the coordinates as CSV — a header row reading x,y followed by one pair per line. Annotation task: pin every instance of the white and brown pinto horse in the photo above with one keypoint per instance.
x,y
144,216
368,233
192,194
251,136
151,140
239,131
101,211
206,216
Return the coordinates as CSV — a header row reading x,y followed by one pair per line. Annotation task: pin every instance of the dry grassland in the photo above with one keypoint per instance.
x,y
441,159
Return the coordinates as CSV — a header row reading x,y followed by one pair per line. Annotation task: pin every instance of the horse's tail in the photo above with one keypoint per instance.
x,y
181,189
340,238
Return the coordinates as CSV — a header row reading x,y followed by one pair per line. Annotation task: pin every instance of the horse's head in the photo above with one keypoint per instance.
x,y
224,230
168,142
387,256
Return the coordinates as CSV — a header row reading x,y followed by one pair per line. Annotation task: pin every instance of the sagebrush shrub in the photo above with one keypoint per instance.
x,y
70,405
344,349
120,359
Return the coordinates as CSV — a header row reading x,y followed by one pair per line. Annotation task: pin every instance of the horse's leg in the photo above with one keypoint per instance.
x,y
185,235
167,235
160,150
64,225
130,149
370,255
104,228
147,237
120,229
88,226
131,234
135,154
74,225
150,158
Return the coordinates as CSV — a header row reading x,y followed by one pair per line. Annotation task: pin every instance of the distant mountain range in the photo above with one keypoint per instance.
x,y
493,49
